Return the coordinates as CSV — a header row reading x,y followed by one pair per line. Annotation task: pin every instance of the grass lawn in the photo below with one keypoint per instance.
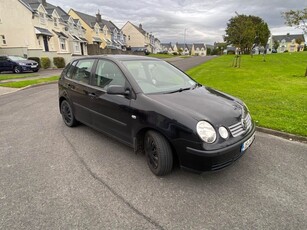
x,y
275,91
15,76
21,84
161,55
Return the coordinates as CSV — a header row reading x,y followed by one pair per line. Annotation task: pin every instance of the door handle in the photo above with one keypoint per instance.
x,y
70,86
92,94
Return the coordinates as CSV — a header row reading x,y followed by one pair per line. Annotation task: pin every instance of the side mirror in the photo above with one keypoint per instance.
x,y
118,90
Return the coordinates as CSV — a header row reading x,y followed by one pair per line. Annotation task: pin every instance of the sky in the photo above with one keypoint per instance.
x,y
187,20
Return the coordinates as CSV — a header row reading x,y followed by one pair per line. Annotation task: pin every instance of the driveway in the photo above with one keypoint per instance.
x,y
55,177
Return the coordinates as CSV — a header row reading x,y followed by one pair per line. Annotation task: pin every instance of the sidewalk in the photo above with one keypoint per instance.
x,y
41,74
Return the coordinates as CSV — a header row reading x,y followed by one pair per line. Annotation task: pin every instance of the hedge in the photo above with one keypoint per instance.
x,y
59,62
45,62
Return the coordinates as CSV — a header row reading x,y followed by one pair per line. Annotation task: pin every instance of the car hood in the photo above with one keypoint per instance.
x,y
203,103
27,62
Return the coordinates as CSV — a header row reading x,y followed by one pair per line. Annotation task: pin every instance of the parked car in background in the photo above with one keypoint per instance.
x,y
157,109
17,64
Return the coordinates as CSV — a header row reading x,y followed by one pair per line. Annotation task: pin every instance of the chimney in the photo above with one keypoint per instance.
x,y
98,17
140,26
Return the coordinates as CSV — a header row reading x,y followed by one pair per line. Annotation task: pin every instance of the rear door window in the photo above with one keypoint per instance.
x,y
82,70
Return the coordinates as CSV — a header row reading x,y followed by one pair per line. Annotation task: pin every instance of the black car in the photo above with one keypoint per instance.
x,y
17,64
157,109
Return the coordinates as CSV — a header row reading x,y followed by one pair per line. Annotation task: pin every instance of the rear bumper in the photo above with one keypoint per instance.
x,y
202,160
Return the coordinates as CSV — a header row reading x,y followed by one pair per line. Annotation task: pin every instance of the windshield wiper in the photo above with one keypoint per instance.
x,y
179,90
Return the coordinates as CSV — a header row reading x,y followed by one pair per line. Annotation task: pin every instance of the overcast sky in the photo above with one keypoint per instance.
x,y
200,20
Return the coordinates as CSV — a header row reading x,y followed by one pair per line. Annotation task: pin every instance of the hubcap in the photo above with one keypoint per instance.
x,y
17,70
151,150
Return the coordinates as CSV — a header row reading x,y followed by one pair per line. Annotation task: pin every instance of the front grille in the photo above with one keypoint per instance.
x,y
238,128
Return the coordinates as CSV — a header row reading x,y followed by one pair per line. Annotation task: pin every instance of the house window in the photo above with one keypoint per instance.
x,y
128,37
3,39
97,31
55,22
62,44
42,18
70,25
77,47
105,32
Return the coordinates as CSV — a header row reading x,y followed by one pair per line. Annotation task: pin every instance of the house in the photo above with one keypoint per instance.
x,y
157,46
40,30
183,49
138,38
199,49
100,31
76,33
288,42
167,47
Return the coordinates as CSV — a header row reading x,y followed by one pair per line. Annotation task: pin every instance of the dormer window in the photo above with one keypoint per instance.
x,y
97,30
42,18
55,22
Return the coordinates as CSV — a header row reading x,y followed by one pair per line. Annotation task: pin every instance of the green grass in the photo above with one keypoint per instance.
x,y
275,91
21,84
161,55
16,76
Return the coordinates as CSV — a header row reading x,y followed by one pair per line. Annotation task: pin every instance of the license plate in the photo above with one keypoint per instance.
x,y
247,143
33,66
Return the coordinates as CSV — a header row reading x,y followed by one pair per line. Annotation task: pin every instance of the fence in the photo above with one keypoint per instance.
x,y
94,49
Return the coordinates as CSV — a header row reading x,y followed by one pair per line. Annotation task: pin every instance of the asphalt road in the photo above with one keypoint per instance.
x,y
55,177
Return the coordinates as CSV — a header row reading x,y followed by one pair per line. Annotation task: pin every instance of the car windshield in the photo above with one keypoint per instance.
x,y
17,58
158,76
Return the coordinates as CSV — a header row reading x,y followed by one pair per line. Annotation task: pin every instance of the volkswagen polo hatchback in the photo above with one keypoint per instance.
x,y
156,109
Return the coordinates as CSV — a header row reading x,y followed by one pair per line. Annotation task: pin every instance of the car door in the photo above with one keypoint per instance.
x,y
77,84
111,113
5,64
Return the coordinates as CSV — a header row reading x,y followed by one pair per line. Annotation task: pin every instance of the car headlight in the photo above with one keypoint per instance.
x,y
206,131
21,63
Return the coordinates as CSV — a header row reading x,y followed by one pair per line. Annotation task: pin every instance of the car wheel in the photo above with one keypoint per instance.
x,y
158,153
35,70
17,69
67,114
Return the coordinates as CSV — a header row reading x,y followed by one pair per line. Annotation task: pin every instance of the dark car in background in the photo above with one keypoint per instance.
x,y
157,109
17,64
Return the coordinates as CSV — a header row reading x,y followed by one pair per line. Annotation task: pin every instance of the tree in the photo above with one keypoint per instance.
x,y
296,18
276,45
244,31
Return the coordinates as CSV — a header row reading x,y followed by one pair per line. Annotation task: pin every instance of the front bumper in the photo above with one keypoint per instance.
x,y
29,68
202,160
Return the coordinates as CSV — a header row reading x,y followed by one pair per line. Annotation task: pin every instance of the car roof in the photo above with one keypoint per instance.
x,y
119,57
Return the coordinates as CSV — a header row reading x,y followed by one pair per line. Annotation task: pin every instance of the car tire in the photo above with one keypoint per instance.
x,y
67,114
158,153
35,70
17,69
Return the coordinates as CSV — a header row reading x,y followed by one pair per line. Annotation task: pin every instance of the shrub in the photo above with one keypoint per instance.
x,y
45,62
231,52
175,53
36,59
59,62
286,51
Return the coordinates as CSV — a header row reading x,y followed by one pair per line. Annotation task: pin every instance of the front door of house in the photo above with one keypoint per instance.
x,y
46,46
82,50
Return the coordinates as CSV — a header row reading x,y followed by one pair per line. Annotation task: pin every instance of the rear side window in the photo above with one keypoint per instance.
x,y
81,71
2,59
